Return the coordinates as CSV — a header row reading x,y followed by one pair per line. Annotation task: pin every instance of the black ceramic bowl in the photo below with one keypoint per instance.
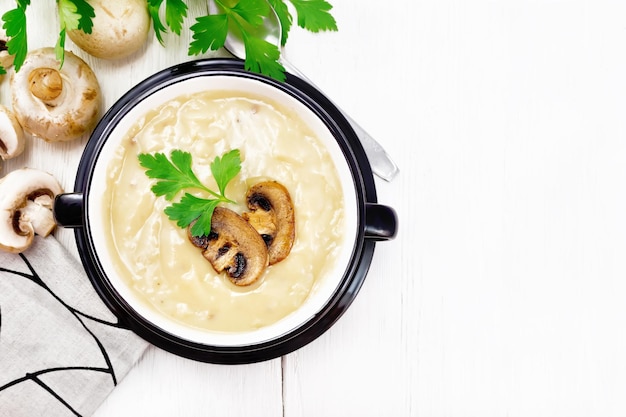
x,y
369,221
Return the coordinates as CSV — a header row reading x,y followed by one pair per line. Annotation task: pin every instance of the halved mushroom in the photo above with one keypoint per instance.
x,y
55,104
272,217
120,28
233,246
26,198
11,135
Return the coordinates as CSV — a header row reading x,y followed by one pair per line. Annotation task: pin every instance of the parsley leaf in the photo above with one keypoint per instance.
x,y
175,174
226,168
251,11
175,14
190,209
209,32
262,57
15,27
68,14
76,14
314,15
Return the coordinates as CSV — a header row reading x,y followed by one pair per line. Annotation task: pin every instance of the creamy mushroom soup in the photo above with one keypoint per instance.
x,y
154,256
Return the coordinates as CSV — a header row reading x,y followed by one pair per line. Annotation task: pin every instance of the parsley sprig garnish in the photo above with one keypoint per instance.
x,y
208,32
73,14
246,16
176,174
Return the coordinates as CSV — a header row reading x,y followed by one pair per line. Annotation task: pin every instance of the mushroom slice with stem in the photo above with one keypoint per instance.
x,y
272,217
233,246
11,135
53,103
26,197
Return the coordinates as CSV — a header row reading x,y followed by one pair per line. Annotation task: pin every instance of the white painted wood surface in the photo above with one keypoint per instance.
x,y
503,294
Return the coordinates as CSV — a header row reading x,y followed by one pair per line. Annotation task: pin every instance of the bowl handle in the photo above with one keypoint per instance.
x,y
381,222
68,210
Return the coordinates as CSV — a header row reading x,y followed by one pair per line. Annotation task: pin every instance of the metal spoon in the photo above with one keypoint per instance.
x,y
381,162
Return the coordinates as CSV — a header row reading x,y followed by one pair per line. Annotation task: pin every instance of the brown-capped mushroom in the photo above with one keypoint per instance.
x,y
55,104
120,28
26,198
233,246
272,217
11,135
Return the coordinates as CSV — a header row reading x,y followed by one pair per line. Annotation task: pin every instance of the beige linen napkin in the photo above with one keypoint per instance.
x,y
61,350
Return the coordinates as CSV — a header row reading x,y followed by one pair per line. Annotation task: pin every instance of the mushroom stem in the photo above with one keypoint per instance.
x,y
38,216
46,84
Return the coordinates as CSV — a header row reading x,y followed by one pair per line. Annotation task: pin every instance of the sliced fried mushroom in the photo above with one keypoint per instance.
x,y
55,104
11,135
120,28
26,197
233,246
272,217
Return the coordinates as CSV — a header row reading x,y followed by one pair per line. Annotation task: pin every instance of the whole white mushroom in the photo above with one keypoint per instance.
x,y
55,104
120,27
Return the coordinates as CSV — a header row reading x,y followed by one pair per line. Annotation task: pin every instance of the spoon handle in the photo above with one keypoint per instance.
x,y
381,163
